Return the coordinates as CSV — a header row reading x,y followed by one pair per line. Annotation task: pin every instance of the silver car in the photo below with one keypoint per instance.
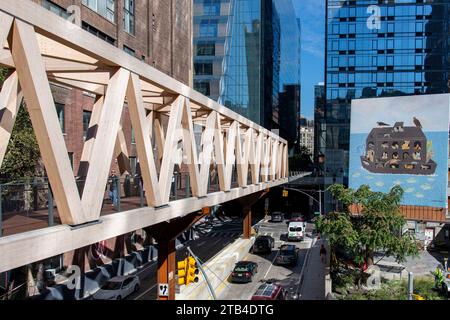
x,y
118,288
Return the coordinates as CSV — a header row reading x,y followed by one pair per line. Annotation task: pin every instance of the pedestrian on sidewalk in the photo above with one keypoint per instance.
x,y
323,254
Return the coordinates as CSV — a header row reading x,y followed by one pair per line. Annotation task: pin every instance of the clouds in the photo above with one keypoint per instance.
x,y
312,16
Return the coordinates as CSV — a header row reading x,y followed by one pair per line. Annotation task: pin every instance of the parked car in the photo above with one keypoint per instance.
x,y
269,291
263,244
118,288
287,255
296,231
276,217
243,272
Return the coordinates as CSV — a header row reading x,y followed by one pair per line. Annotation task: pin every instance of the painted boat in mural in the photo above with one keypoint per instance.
x,y
398,150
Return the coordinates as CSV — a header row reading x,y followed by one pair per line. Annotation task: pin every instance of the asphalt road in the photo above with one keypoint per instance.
x,y
288,277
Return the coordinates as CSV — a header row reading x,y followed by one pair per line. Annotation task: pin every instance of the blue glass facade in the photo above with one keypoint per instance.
x,y
243,55
376,49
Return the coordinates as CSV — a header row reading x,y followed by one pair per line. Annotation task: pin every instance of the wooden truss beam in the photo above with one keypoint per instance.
x,y
39,48
18,250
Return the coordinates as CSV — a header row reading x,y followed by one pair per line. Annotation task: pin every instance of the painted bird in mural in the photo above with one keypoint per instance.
x,y
382,124
417,123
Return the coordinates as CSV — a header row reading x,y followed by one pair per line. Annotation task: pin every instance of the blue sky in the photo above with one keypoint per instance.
x,y
312,15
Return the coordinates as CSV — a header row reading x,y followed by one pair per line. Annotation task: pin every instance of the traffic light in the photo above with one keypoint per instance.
x,y
182,267
192,271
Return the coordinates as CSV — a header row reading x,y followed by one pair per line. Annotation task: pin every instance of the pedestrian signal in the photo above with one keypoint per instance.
x,y
285,193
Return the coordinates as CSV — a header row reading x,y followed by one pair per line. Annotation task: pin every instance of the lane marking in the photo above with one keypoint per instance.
x,y
144,293
271,265
305,265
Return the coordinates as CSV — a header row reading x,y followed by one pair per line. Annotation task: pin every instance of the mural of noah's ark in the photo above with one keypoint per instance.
x,y
398,150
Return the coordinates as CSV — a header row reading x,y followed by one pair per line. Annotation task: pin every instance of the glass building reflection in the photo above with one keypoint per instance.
x,y
402,51
246,53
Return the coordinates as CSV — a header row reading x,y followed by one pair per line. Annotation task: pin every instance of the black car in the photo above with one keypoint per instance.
x,y
276,217
244,271
263,244
288,255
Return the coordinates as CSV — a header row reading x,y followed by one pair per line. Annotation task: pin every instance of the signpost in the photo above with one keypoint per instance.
x,y
163,290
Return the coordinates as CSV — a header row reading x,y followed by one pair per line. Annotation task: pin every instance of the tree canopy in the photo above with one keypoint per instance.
x,y
378,227
22,155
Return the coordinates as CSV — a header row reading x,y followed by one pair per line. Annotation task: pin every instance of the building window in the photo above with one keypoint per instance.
x,y
86,120
128,50
211,8
98,33
202,69
203,87
206,49
208,28
133,137
60,112
102,7
128,16
60,11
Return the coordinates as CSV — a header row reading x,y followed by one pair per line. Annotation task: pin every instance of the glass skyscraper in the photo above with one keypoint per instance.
x,y
378,48
246,52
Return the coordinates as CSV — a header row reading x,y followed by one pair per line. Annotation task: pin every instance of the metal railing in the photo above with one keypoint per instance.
x,y
33,198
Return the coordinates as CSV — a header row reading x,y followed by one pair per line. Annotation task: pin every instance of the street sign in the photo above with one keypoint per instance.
x,y
163,289
317,213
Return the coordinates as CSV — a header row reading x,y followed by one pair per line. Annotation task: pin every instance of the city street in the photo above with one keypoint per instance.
x,y
214,239
288,277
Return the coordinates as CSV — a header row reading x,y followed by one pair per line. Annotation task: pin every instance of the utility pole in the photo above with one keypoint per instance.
x,y
320,202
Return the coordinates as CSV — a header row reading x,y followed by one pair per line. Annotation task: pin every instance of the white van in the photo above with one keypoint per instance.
x,y
296,231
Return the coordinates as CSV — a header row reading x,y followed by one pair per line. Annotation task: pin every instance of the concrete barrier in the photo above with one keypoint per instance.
x,y
217,270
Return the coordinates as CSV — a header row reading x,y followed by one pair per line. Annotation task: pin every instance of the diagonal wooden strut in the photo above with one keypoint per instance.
x,y
10,101
42,110
104,143
143,142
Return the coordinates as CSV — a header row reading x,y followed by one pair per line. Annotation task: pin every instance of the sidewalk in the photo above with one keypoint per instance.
x,y
315,274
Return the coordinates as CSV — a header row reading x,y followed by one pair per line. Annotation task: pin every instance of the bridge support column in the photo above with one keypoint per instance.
x,y
165,234
166,268
247,222
246,204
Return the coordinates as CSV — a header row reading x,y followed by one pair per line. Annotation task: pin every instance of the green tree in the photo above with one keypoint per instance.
x,y
378,227
22,157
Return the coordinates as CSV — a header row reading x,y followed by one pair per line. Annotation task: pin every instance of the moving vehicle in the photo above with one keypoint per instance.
x,y
243,272
118,288
296,231
269,291
276,217
287,255
263,244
